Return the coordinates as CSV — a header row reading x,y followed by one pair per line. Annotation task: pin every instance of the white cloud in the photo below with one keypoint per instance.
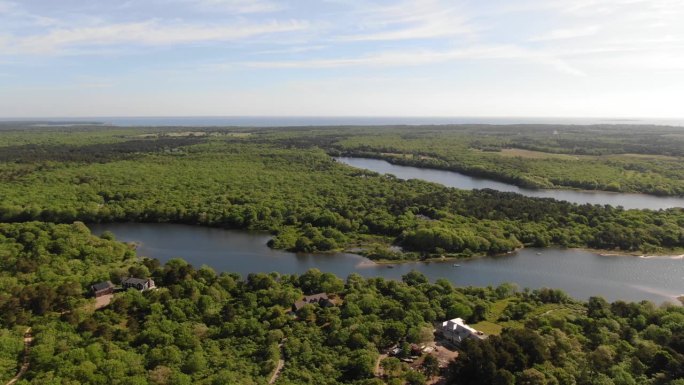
x,y
607,37
237,6
79,86
13,14
147,33
562,66
642,63
410,20
425,57
571,33
291,50
601,7
386,59
424,31
529,57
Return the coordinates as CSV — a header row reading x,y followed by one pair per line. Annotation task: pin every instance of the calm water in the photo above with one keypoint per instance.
x,y
458,180
579,273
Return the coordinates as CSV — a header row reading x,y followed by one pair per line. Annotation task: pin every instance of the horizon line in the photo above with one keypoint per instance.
x,y
7,118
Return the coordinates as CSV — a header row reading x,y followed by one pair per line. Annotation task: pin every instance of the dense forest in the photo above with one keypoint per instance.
x,y
611,158
624,158
203,327
286,183
263,181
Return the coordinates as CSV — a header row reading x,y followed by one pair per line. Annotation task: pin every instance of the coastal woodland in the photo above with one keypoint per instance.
x,y
203,327
285,181
622,158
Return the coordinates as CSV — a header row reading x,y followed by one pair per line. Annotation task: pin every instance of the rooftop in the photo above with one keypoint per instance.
x,y
102,285
135,281
314,298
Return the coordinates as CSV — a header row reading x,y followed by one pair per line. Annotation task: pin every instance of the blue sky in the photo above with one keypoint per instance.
x,y
565,58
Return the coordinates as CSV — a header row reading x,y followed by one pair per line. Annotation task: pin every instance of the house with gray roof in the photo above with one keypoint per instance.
x,y
102,288
141,284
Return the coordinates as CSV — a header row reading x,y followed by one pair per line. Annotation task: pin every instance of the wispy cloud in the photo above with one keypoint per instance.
x,y
570,33
410,20
237,6
73,85
147,33
291,50
561,66
601,7
524,56
11,13
424,57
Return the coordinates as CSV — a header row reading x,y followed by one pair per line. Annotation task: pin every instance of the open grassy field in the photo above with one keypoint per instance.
x,y
529,154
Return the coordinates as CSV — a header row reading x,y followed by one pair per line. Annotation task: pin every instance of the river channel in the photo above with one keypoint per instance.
x,y
465,182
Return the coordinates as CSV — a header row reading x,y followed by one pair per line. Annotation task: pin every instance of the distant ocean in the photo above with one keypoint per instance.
x,y
289,121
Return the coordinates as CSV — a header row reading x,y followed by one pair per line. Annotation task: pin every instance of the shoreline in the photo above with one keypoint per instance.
x,y
672,254
433,259
496,178
357,250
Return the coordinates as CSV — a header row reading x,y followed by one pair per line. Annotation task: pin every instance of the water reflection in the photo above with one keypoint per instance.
x,y
579,273
458,180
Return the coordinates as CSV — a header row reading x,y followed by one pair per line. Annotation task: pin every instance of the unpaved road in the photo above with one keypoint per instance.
x,y
279,367
28,340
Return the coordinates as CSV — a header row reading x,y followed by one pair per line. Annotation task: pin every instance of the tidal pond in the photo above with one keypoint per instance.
x,y
579,273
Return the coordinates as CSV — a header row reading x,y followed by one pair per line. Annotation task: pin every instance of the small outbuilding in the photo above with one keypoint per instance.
x,y
141,284
102,288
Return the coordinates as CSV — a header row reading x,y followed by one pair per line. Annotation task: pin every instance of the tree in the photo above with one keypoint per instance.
x,y
602,358
532,377
504,377
361,365
430,366
391,366
414,278
597,307
414,378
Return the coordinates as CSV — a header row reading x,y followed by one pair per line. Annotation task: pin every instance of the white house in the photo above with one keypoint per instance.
x,y
457,331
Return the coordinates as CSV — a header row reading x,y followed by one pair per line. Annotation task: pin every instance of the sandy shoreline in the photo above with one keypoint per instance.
x,y
613,253
602,252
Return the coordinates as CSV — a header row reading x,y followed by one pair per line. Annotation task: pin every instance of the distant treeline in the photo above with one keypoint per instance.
x,y
98,152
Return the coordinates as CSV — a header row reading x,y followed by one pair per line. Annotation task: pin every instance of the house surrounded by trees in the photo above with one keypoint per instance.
x,y
138,283
457,331
321,299
102,288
